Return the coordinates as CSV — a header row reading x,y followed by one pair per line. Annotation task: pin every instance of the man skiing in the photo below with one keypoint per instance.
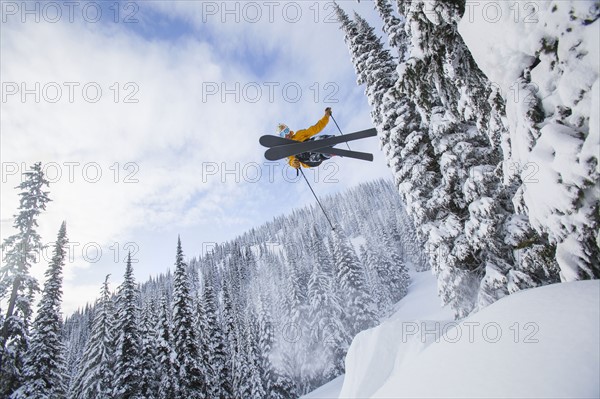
x,y
303,149
307,159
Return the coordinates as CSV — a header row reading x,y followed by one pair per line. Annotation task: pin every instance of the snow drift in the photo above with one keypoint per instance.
x,y
542,342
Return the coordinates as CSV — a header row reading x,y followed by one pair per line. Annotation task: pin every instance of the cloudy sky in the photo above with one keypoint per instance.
x,y
147,116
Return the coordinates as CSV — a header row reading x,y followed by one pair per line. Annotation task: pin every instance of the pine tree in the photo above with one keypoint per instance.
x,y
128,355
214,354
320,252
77,329
17,286
441,125
294,307
411,245
44,372
448,146
377,274
397,272
149,366
266,341
329,341
191,382
393,27
97,366
359,309
566,223
255,371
231,341
282,387
406,145
240,369
165,354
374,65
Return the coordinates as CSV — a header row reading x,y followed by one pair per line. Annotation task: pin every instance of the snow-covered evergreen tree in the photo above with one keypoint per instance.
x,y
553,146
393,27
255,372
230,334
44,371
374,65
294,306
214,354
282,387
240,370
17,286
165,354
441,126
129,350
404,141
397,272
457,147
191,383
149,364
377,273
328,339
97,366
472,115
76,330
359,309
265,334
266,341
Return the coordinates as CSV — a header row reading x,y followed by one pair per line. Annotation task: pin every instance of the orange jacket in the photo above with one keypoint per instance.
x,y
305,134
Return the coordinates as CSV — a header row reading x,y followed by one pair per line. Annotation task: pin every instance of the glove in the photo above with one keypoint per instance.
x,y
295,163
328,111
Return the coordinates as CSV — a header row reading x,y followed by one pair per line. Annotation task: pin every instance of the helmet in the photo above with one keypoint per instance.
x,y
282,130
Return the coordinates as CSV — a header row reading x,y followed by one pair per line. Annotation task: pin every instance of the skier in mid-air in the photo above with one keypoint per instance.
x,y
307,159
304,148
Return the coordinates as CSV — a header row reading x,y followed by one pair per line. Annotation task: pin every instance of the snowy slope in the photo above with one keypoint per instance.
x,y
542,342
331,390
421,302
374,352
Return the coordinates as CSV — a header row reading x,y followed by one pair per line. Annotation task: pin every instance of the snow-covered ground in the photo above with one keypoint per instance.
x,y
331,390
542,342
420,302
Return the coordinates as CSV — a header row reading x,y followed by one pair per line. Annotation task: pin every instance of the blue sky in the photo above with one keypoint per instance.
x,y
142,142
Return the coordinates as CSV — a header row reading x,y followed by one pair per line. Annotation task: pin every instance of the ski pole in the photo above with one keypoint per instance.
x,y
315,195
338,126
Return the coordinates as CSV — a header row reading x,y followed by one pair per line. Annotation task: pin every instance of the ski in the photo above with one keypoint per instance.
x,y
286,150
269,140
365,156
273,141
